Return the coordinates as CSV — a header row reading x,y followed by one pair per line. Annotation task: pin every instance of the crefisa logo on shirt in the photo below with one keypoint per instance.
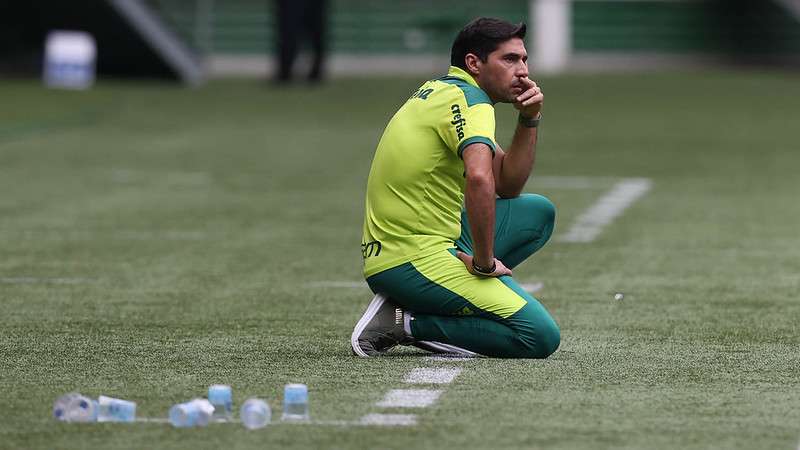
x,y
458,121
371,249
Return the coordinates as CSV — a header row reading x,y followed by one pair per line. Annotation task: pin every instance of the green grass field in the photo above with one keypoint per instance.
x,y
155,240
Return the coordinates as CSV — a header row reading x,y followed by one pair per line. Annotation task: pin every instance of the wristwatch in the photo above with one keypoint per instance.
x,y
529,122
482,270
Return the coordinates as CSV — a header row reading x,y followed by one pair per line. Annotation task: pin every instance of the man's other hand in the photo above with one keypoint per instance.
x,y
499,269
529,102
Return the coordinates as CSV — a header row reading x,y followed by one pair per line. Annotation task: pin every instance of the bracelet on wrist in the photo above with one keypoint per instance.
x,y
482,270
529,122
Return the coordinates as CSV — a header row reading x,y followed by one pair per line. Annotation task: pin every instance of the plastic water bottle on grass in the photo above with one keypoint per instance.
x,y
194,413
115,410
76,408
255,413
60,406
295,402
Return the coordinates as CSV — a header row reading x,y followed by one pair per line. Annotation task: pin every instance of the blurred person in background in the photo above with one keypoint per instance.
x,y
298,20
445,217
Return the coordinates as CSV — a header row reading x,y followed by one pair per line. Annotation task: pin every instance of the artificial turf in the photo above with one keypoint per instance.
x,y
155,240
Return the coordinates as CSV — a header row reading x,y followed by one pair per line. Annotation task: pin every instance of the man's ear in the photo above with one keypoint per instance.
x,y
473,64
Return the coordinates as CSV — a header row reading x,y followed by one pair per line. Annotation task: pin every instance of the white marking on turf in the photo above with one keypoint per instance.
x,y
532,287
152,419
338,423
409,398
423,375
36,280
450,358
591,223
389,419
334,423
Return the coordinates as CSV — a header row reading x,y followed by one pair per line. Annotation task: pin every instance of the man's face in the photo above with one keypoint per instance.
x,y
500,76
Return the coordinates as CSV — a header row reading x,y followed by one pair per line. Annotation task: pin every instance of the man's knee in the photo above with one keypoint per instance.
x,y
538,333
539,208
548,338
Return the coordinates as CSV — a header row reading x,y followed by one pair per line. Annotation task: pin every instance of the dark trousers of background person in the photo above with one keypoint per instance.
x,y
299,19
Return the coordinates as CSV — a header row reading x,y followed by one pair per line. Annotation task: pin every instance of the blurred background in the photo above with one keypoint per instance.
x,y
188,218
194,40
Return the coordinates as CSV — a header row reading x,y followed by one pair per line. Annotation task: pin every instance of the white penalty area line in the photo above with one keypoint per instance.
x,y
591,223
409,398
369,419
453,357
389,420
425,375
412,398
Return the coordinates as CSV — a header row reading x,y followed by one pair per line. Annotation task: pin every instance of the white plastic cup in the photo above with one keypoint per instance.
x,y
221,396
194,413
115,410
295,402
255,413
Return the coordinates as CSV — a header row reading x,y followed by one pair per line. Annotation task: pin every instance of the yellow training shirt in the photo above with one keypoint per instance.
x,y
415,189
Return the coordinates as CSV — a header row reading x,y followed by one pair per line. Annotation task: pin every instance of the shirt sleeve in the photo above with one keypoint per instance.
x,y
466,125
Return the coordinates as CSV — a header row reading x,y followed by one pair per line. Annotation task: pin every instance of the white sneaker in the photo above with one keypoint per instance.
x,y
379,329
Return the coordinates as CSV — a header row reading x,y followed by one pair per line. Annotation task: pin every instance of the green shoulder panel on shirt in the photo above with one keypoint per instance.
x,y
472,94
472,140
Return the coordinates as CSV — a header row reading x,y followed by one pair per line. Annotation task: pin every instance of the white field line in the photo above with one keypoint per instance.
x,y
37,280
389,419
409,398
367,420
152,419
424,375
591,223
532,287
450,358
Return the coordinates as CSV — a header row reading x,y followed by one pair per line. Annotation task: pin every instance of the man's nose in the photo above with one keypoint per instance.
x,y
522,70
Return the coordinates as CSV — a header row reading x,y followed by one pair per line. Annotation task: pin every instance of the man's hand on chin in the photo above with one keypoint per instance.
x,y
529,102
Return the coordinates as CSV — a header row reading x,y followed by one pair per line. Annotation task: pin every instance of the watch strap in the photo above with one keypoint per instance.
x,y
529,122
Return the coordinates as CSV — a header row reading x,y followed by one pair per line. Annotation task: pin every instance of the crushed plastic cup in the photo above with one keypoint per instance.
x,y
115,410
194,413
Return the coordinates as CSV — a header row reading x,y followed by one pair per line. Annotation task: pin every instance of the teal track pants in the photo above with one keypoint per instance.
x,y
489,316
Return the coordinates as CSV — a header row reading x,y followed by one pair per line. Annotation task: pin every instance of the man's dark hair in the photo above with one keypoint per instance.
x,y
481,37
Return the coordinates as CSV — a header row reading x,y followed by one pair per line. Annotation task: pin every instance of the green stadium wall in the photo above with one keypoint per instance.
x,y
415,26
